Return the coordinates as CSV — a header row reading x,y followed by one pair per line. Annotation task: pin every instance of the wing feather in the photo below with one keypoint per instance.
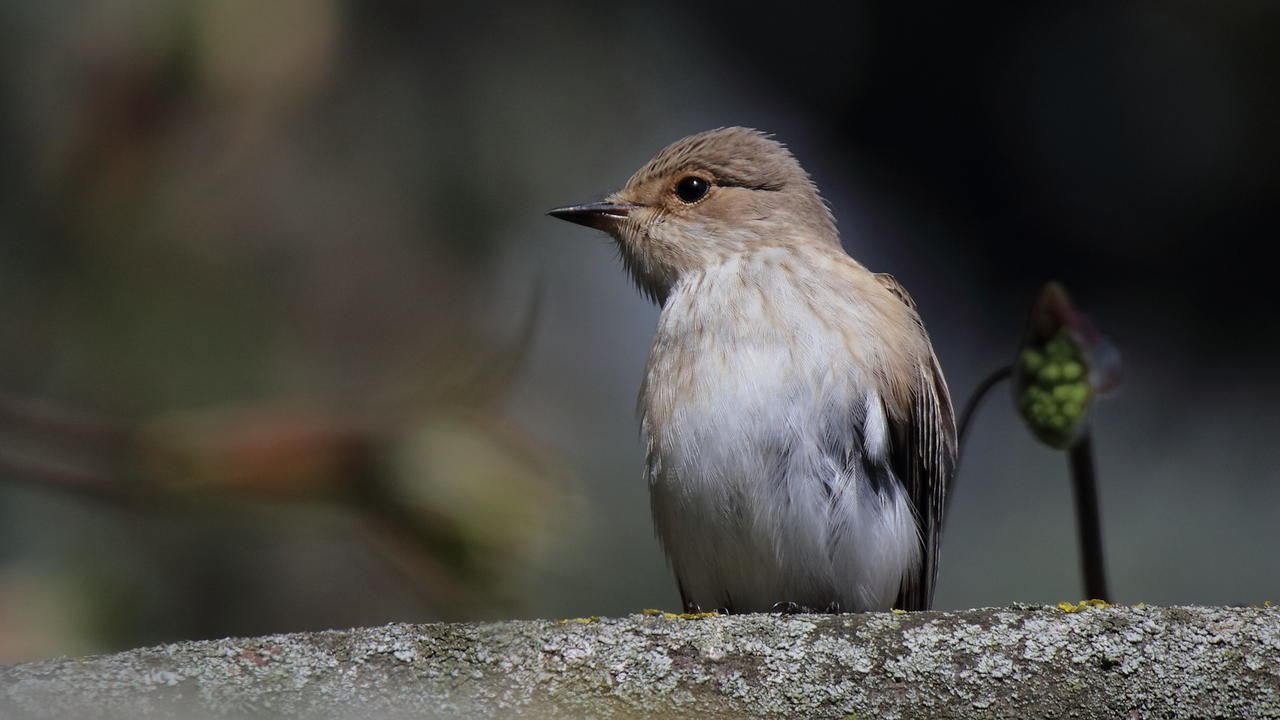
x,y
924,460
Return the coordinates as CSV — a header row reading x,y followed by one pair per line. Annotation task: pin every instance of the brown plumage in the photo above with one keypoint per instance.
x,y
799,432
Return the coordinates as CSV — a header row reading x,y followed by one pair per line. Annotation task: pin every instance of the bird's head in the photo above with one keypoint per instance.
x,y
703,198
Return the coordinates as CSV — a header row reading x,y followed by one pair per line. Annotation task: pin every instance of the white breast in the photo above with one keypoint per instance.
x,y
768,448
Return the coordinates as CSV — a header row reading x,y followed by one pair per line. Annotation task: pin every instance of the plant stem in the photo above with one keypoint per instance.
x,y
1088,524
975,400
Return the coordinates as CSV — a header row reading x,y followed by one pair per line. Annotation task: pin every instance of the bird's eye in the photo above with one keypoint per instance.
x,y
691,189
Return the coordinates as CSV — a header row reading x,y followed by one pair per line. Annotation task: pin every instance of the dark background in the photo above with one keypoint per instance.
x,y
287,342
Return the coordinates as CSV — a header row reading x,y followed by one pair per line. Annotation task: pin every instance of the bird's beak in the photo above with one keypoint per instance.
x,y
601,216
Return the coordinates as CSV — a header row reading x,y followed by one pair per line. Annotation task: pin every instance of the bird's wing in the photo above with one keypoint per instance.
x,y
924,460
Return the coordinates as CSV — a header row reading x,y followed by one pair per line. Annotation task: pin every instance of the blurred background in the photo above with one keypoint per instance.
x,y
287,342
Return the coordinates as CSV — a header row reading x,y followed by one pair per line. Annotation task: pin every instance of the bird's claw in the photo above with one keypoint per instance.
x,y
788,607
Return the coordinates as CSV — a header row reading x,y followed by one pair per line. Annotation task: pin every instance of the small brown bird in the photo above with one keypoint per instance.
x,y
800,436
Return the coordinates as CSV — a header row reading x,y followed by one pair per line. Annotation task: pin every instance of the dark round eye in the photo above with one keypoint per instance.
x,y
691,188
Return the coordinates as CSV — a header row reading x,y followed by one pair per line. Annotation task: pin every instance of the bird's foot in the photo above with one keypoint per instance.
x,y
693,608
788,607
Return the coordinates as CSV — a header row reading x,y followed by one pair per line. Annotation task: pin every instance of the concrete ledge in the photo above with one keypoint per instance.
x,y
1012,662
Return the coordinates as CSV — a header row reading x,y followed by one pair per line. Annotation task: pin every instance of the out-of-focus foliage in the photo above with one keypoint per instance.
x,y
248,321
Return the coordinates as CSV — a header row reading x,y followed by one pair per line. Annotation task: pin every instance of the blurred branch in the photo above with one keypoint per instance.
x,y
264,451
77,482
50,421
72,433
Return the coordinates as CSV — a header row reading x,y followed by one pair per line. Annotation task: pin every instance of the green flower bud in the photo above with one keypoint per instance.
x,y
1073,410
1080,392
1050,373
1059,347
1072,370
1054,371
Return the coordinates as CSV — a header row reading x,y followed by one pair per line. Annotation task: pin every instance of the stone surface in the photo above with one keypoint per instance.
x,y
1012,662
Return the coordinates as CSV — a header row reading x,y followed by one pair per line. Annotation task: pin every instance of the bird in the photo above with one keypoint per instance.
x,y
799,435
